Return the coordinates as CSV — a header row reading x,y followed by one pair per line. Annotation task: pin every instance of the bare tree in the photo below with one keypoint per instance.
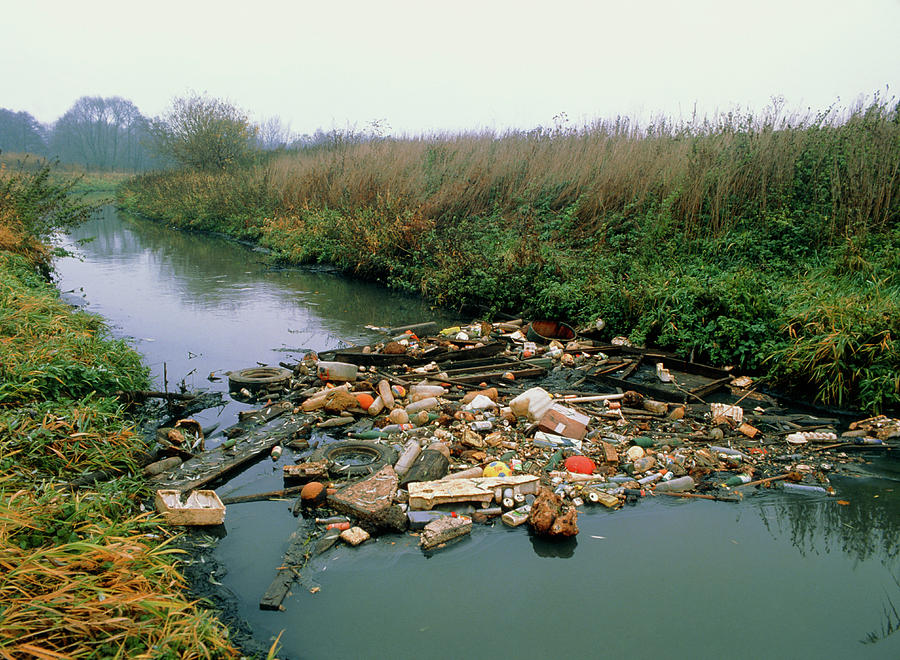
x,y
101,132
272,134
21,132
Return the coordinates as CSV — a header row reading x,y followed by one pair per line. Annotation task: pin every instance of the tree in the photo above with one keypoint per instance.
x,y
101,132
20,132
271,134
204,133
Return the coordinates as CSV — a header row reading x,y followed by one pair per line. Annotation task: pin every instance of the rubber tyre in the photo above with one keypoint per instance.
x,y
255,378
380,456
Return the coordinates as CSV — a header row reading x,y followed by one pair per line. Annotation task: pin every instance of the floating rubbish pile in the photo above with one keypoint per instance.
x,y
432,430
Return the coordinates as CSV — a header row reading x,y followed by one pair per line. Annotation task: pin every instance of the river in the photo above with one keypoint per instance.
x,y
774,576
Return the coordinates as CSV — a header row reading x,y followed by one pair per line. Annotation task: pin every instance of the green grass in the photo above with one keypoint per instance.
x,y
82,574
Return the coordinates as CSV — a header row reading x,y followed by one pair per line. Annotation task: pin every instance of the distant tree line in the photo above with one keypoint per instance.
x,y
96,132
197,132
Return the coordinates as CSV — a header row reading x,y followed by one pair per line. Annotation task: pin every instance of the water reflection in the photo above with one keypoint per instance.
x,y
866,527
198,304
559,548
805,576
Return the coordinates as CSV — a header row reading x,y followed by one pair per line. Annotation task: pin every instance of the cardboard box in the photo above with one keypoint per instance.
x,y
564,421
202,507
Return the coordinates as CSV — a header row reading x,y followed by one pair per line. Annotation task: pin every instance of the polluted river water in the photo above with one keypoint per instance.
x,y
775,575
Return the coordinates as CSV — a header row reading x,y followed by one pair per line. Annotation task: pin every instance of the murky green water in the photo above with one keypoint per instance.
x,y
774,576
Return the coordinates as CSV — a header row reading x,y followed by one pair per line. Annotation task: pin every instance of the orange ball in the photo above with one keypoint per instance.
x,y
313,494
365,400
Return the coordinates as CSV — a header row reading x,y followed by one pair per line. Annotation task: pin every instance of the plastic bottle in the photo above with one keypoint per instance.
x,y
728,451
644,463
737,480
396,428
384,391
336,371
408,457
423,404
471,473
803,488
376,407
399,416
656,476
418,392
676,485
532,403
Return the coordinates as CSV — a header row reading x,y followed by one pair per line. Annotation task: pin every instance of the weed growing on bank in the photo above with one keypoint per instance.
x,y
82,574
704,238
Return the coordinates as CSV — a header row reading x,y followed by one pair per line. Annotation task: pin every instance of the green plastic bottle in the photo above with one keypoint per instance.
x,y
737,480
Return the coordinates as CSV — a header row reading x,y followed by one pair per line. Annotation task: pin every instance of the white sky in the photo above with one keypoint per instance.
x,y
449,66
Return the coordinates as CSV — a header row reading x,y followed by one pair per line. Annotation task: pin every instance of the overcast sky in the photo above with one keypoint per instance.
x,y
448,66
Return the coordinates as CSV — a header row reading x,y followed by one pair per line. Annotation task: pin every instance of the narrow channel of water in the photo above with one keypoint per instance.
x,y
773,576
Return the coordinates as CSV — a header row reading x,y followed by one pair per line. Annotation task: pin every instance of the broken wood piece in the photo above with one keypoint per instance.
x,y
294,559
266,413
610,453
216,463
590,399
309,470
767,480
257,497
709,388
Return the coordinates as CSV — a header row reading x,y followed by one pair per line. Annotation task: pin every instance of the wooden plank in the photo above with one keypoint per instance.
x,y
520,373
709,388
295,558
505,365
256,497
631,368
611,455
215,464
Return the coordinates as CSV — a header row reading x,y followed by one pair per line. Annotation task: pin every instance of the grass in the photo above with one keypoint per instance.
x,y
700,237
82,574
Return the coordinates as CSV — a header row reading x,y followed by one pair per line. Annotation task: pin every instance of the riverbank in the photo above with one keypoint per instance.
x,y
769,244
86,573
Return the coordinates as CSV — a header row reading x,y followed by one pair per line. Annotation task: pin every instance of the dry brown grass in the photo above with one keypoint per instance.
x,y
110,594
704,174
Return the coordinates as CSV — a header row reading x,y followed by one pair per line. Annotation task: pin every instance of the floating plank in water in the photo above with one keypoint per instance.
x,y
289,571
216,463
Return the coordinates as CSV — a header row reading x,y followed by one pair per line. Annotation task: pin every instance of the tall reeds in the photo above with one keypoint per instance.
x,y
706,175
